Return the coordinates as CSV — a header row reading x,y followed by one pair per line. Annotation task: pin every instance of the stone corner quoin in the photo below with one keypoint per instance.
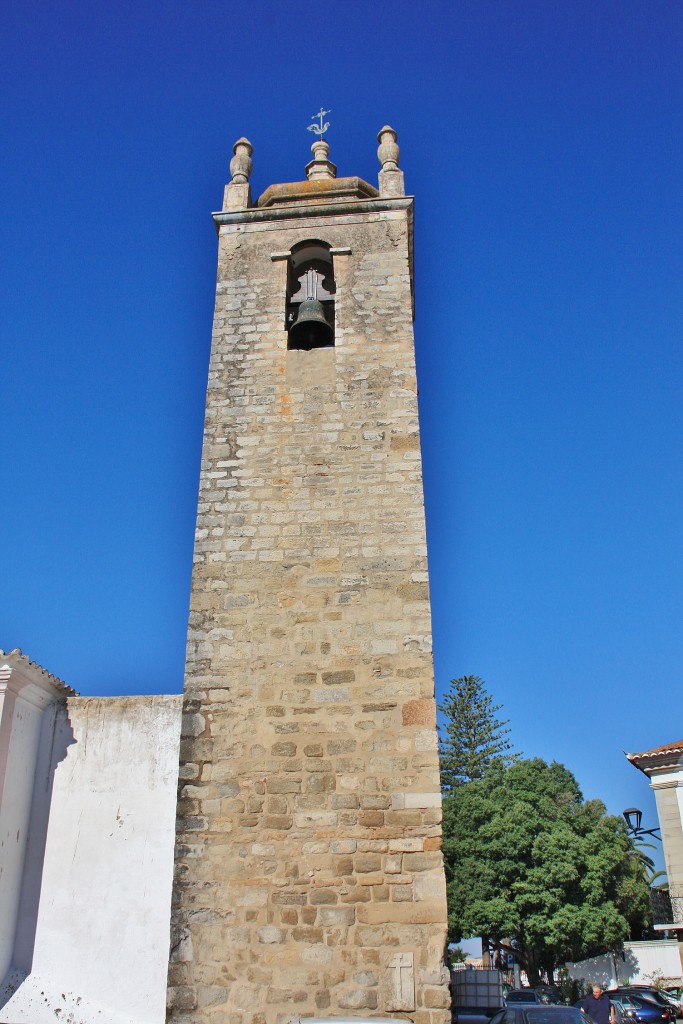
x,y
309,875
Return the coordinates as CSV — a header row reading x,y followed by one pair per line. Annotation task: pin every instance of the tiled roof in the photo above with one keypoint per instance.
x,y
15,659
668,748
659,759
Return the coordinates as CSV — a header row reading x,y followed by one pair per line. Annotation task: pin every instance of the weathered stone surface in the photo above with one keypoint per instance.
x,y
308,834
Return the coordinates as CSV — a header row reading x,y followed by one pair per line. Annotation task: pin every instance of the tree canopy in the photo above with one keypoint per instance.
x,y
537,870
472,738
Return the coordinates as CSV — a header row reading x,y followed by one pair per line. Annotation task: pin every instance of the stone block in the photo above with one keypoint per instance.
x,y
430,886
340,801
437,997
307,934
336,917
320,783
371,819
316,819
317,954
343,846
367,862
341,678
181,998
358,999
370,878
375,801
365,978
433,843
356,894
284,996
283,749
277,822
323,896
421,862
428,912
406,844
283,785
284,898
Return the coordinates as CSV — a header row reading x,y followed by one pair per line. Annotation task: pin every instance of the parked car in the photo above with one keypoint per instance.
x,y
641,1008
646,992
675,993
545,994
540,1013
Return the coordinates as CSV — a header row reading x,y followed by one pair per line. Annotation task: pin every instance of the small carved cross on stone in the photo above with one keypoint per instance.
x,y
403,988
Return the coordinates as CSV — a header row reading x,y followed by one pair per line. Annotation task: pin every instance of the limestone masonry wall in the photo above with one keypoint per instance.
x,y
309,875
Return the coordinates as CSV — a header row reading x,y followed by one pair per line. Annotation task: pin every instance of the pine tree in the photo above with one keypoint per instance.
x,y
472,738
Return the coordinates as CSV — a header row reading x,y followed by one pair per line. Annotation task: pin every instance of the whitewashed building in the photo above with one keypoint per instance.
x,y
87,814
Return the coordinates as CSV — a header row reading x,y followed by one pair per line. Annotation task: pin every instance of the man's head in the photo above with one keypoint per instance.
x,y
597,991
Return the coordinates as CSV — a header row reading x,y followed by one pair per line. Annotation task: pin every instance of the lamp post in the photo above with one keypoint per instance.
x,y
633,817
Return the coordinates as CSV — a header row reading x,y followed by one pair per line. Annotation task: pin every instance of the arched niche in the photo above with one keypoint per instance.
x,y
310,296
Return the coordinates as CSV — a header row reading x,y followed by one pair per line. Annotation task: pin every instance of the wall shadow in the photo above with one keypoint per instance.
x,y
56,736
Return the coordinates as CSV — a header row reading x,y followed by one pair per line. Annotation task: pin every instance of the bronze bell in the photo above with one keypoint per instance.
x,y
310,329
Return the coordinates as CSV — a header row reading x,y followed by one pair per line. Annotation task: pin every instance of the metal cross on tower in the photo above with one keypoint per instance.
x,y
320,127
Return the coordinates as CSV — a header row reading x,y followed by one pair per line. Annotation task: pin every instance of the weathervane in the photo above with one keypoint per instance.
x,y
321,127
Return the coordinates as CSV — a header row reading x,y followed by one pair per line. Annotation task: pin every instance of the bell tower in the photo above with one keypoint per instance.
x,y
309,876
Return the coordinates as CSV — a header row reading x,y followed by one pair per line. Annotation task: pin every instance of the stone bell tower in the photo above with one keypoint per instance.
x,y
309,875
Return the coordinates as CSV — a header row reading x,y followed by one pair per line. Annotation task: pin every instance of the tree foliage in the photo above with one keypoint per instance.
x,y
645,862
535,869
472,738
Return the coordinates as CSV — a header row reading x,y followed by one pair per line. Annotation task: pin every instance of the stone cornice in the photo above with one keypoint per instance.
x,y
667,760
314,191
667,783
302,211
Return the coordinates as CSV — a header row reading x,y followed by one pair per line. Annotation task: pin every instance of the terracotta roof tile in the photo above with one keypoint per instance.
x,y
15,658
667,748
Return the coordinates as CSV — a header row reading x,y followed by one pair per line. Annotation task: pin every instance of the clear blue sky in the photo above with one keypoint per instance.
x,y
543,140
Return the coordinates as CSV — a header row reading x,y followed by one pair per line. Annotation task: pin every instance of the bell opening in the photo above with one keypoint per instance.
x,y
310,297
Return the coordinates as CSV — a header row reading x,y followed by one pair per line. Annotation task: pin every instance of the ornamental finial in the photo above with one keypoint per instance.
x,y
237,195
388,152
320,167
320,126
390,175
240,165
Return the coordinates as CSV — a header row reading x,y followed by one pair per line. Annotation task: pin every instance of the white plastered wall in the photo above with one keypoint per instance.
x,y
93,938
642,964
24,698
667,784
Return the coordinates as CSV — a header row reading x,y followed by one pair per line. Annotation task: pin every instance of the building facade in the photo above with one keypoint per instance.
x,y
309,875
663,766
87,815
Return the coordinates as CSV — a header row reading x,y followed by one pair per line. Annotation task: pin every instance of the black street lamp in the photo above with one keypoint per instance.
x,y
633,817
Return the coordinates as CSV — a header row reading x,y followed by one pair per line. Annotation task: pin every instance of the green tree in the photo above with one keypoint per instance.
x,y
538,871
472,738
646,863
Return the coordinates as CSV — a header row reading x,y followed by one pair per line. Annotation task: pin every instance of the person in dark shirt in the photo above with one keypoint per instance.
x,y
598,1006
